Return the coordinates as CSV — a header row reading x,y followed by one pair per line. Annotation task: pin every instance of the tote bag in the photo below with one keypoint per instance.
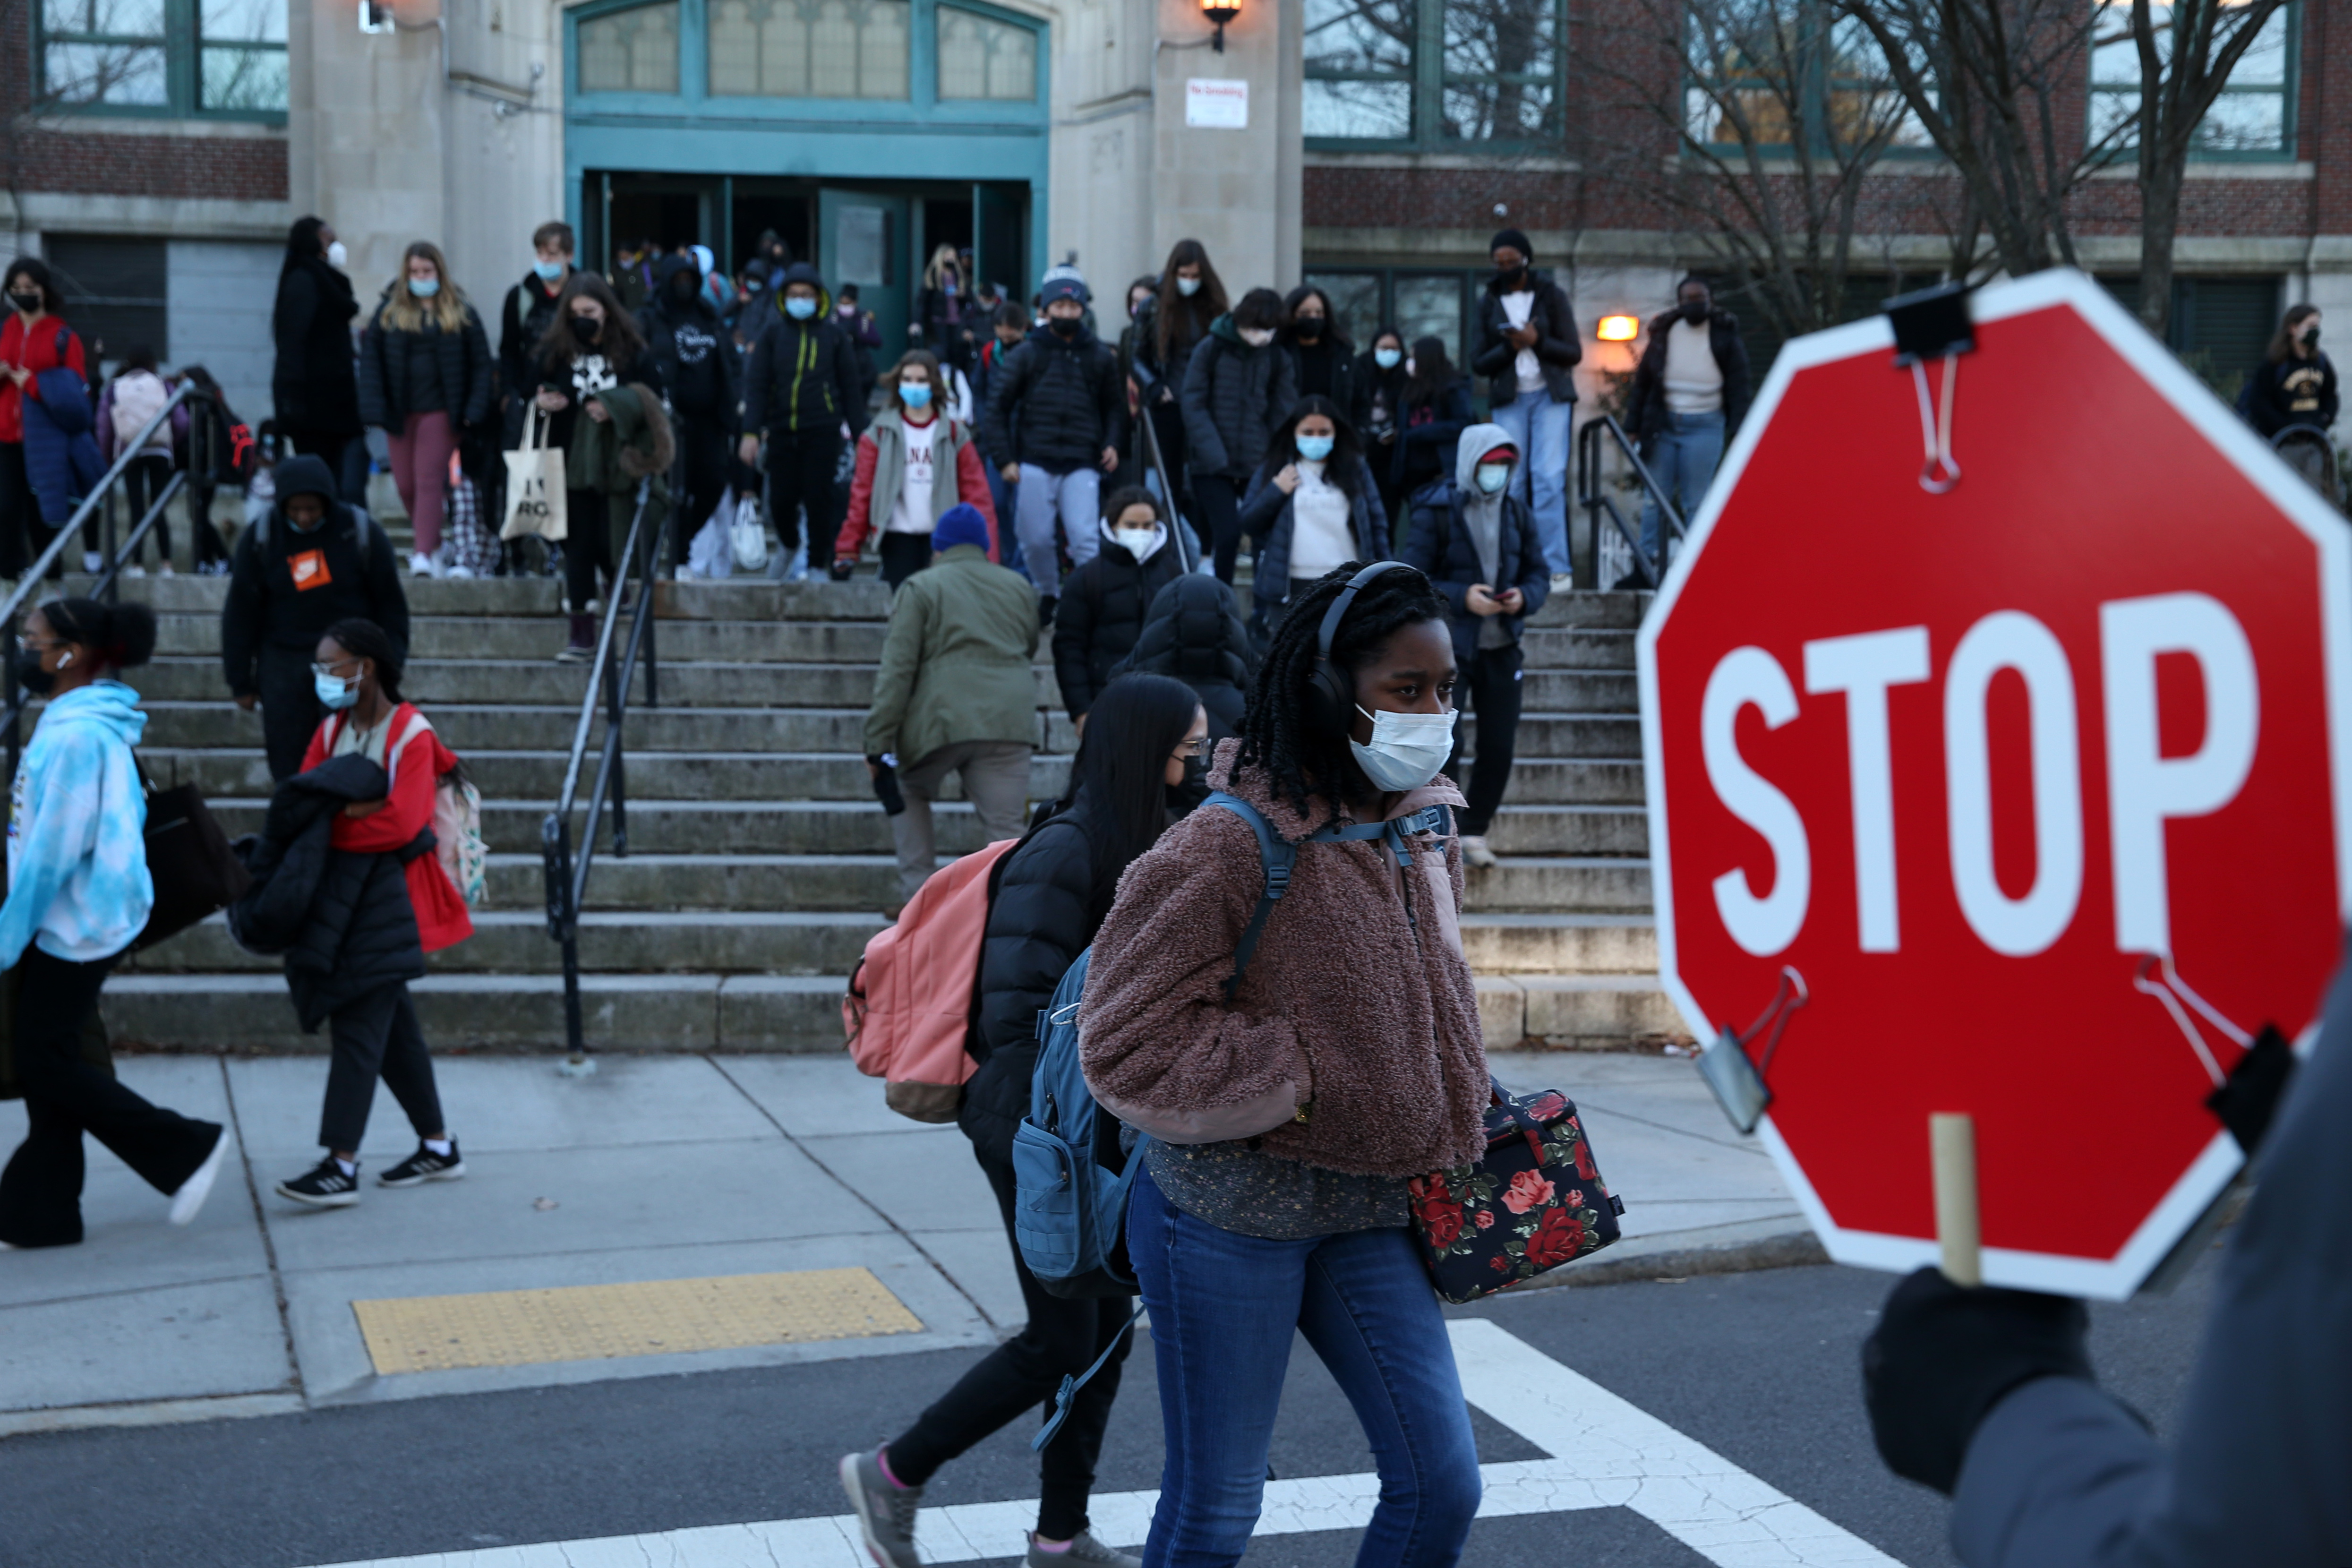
x,y
196,873
535,494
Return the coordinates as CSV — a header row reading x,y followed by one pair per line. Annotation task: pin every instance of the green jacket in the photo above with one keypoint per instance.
x,y
956,662
611,456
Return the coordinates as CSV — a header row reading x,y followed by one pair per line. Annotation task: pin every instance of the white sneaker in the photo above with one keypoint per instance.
x,y
134,570
165,569
1476,853
459,573
92,562
1563,582
420,565
190,1199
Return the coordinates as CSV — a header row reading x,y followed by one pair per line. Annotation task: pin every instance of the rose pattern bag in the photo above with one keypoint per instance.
x,y
1534,1202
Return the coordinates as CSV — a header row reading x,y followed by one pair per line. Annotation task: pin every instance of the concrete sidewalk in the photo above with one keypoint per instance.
x,y
657,1168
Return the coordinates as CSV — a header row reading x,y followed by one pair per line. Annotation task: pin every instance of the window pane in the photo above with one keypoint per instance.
x,y
1369,110
119,18
2239,121
630,51
103,73
1502,37
983,58
1737,114
1744,56
1862,102
1359,35
1431,307
1500,110
2264,62
1355,304
2111,112
813,48
242,21
2244,122
243,79
2116,58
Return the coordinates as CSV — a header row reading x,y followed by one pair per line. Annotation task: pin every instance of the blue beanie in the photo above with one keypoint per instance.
x,y
960,524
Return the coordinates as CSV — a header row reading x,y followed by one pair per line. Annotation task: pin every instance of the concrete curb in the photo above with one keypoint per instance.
x,y
1780,1243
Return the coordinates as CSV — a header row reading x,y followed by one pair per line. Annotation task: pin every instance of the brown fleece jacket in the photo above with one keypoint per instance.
x,y
1368,1023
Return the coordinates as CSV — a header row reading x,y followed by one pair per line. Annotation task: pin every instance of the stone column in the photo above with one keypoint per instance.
x,y
1235,188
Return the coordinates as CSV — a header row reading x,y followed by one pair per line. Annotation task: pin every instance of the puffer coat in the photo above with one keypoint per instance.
x,y
399,371
1101,615
1042,917
1193,633
1234,398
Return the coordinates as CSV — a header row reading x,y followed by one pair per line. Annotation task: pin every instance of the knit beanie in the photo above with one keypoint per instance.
x,y
1515,240
960,524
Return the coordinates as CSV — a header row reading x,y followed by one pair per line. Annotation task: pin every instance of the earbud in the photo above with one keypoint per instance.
x,y
65,658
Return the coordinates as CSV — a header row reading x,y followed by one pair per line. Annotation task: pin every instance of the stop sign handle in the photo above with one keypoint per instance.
x,y
1737,1080
1931,325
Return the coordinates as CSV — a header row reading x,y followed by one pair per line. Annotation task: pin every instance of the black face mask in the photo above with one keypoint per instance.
x,y
28,303
1183,798
1512,279
586,329
1064,328
1308,328
2311,338
31,675
683,288
1695,311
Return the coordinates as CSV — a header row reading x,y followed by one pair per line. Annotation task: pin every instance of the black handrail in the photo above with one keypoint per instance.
x,y
567,883
1592,495
109,586
1154,462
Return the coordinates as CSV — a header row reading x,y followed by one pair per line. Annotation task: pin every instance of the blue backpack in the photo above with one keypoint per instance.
x,y
1071,1177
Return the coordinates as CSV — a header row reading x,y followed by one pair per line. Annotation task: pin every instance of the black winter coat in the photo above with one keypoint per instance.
x,y
803,375
1042,917
399,369
1646,403
1346,367
1153,372
523,321
1559,346
688,342
1193,632
1101,615
1055,402
1440,545
265,609
342,920
313,383
1234,398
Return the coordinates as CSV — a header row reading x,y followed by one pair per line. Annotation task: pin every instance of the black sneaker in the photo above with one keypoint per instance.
x,y
326,1187
424,1166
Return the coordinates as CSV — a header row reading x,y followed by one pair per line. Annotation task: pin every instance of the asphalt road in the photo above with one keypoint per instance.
x,y
1760,1367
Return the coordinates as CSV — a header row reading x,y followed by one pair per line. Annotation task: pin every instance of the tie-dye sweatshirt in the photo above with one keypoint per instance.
x,y
78,880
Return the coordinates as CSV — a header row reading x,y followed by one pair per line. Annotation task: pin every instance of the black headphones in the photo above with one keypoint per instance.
x,y
1330,695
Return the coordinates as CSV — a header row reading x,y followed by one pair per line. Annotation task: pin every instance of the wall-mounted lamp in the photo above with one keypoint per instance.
x,y
1219,12
1619,329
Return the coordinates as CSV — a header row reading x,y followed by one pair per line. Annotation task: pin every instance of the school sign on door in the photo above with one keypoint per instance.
x,y
1977,760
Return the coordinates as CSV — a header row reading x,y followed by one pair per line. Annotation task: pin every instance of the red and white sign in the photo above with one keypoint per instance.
x,y
1217,103
1963,760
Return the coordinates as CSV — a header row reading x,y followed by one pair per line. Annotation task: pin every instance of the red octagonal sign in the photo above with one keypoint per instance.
x,y
1963,761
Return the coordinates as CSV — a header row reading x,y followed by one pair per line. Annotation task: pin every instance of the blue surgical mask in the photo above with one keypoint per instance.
x,y
1493,477
549,271
799,308
1388,359
1314,448
1406,750
334,693
425,287
915,394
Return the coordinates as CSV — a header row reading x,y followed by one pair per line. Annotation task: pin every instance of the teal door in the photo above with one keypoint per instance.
x,y
997,251
862,239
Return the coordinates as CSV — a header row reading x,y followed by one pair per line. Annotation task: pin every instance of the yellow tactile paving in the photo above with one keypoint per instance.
x,y
655,1316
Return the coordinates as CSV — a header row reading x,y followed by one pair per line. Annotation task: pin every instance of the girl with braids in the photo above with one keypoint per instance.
x,y
1286,1112
398,904
79,895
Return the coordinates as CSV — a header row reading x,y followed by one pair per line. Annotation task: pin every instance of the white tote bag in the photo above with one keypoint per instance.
x,y
535,492
748,536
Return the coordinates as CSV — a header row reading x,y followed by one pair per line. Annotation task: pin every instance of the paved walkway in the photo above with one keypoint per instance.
x,y
663,1168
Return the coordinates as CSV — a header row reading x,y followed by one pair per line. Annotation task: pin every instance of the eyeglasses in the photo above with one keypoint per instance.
x,y
334,671
1191,751
27,645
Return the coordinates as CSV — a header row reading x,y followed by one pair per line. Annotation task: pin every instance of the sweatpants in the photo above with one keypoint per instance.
x,y
377,1037
290,710
995,779
420,472
799,474
1494,681
40,1191
1075,500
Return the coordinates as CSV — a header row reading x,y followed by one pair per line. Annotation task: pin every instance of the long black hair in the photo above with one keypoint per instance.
x,y
33,268
1182,321
302,244
121,636
365,639
1120,775
1301,762
1433,371
1344,468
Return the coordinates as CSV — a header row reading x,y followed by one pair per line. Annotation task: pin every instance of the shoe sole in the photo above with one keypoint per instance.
x,y
451,1175
860,1504
309,1200
189,1200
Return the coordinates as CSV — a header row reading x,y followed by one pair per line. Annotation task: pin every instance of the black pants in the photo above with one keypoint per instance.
x,y
708,469
799,474
23,534
1218,499
143,481
1492,680
346,459
377,1037
40,1192
587,547
289,708
1062,1337
206,538
1168,424
903,555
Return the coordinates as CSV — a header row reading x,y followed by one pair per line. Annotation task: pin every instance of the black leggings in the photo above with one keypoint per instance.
x,y
587,547
903,555
143,481
40,1192
23,534
1218,499
1494,681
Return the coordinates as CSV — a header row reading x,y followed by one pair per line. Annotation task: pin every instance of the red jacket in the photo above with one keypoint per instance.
x,y
972,489
441,917
40,354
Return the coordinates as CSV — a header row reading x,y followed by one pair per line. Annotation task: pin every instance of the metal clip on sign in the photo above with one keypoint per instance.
x,y
1737,1082
1930,324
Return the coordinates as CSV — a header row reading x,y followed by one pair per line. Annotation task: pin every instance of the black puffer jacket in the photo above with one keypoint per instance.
x,y
342,920
1042,917
803,375
1193,632
1055,402
1101,615
687,340
398,368
1234,396
312,382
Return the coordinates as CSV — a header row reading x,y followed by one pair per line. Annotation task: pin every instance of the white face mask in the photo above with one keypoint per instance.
x,y
1493,477
338,255
1188,287
1406,749
1258,337
1136,541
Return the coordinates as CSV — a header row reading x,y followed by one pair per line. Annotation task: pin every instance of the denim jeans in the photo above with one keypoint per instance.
x,y
1223,1308
1540,429
1682,457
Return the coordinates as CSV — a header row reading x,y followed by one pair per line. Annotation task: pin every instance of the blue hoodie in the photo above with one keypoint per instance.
x,y
77,880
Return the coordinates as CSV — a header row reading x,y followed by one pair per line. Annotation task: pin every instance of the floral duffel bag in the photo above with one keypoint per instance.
x,y
1535,1201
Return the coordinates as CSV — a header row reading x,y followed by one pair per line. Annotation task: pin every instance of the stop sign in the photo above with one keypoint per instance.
x,y
1963,760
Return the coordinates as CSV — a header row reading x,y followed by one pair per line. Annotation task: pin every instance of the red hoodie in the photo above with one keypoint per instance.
x,y
441,917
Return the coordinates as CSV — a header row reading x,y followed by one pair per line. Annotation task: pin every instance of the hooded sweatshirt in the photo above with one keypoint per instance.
x,y
1482,515
802,377
77,881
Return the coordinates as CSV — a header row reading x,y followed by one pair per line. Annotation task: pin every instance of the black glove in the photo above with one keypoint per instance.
x,y
841,569
1942,1357
886,786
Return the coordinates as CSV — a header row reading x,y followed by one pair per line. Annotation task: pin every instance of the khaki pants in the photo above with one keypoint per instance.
x,y
996,778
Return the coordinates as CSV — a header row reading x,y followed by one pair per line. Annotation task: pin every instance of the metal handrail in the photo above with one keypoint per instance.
x,y
1154,462
567,881
1594,497
107,587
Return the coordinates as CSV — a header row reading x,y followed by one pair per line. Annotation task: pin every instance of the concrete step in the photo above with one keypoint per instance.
x,y
539,636
738,600
532,779
515,941
1577,647
1576,1012
481,730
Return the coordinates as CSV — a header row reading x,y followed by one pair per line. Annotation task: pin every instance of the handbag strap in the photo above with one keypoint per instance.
x,y
1067,1395
1529,1127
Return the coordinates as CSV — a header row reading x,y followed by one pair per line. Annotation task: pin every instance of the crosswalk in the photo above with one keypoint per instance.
x,y
1604,1452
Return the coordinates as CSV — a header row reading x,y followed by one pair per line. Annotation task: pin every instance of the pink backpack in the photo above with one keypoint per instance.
x,y
909,999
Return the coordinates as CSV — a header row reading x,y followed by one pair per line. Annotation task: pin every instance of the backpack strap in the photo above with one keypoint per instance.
x,y
1278,856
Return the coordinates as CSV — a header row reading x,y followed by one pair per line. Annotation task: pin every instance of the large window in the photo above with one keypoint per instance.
x,y
1765,72
982,59
2254,115
1418,303
1434,73
630,51
164,57
809,48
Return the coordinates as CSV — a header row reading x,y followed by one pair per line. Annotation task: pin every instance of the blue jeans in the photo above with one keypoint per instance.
x,y
1224,1308
1540,429
1682,457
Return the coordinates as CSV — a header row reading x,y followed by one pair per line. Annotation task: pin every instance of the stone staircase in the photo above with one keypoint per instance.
x,y
758,861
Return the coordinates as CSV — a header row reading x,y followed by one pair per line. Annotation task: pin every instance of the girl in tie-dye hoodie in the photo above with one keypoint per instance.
x,y
79,895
